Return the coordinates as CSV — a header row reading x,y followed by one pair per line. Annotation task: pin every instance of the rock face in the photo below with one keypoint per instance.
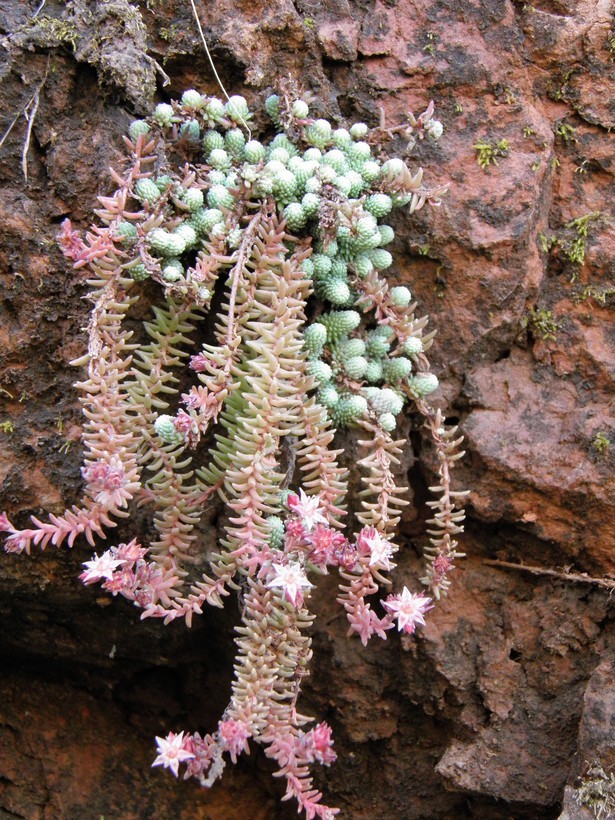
x,y
507,697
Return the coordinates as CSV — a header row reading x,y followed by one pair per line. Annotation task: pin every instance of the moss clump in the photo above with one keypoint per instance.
x,y
487,153
53,31
601,443
597,792
542,324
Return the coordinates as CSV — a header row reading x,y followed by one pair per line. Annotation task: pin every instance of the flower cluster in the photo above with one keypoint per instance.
x,y
202,209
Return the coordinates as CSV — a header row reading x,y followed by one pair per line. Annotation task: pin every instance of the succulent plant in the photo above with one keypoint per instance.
x,y
268,229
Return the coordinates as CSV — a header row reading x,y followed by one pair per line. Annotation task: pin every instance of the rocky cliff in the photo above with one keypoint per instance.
x,y
508,696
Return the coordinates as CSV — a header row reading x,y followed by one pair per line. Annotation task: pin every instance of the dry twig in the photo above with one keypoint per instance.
x,y
575,577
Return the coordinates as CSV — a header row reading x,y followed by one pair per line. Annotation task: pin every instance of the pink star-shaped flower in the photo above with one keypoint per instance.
x,y
308,508
370,542
317,744
409,608
234,736
292,579
99,568
172,752
131,552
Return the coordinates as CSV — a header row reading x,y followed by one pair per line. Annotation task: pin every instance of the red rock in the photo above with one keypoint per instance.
x,y
509,690
339,39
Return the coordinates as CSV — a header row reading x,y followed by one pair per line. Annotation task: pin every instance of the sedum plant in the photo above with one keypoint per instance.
x,y
285,241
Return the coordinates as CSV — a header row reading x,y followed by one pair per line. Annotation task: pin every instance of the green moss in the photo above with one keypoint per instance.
x,y
430,48
7,426
571,239
560,88
170,34
601,444
581,223
575,248
566,132
546,242
488,152
575,251
55,31
599,295
542,324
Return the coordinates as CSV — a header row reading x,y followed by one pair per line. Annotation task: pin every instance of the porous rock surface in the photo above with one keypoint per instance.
x,y
499,708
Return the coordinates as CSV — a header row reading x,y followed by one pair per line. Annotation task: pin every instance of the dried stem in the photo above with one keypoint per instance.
x,y
572,577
